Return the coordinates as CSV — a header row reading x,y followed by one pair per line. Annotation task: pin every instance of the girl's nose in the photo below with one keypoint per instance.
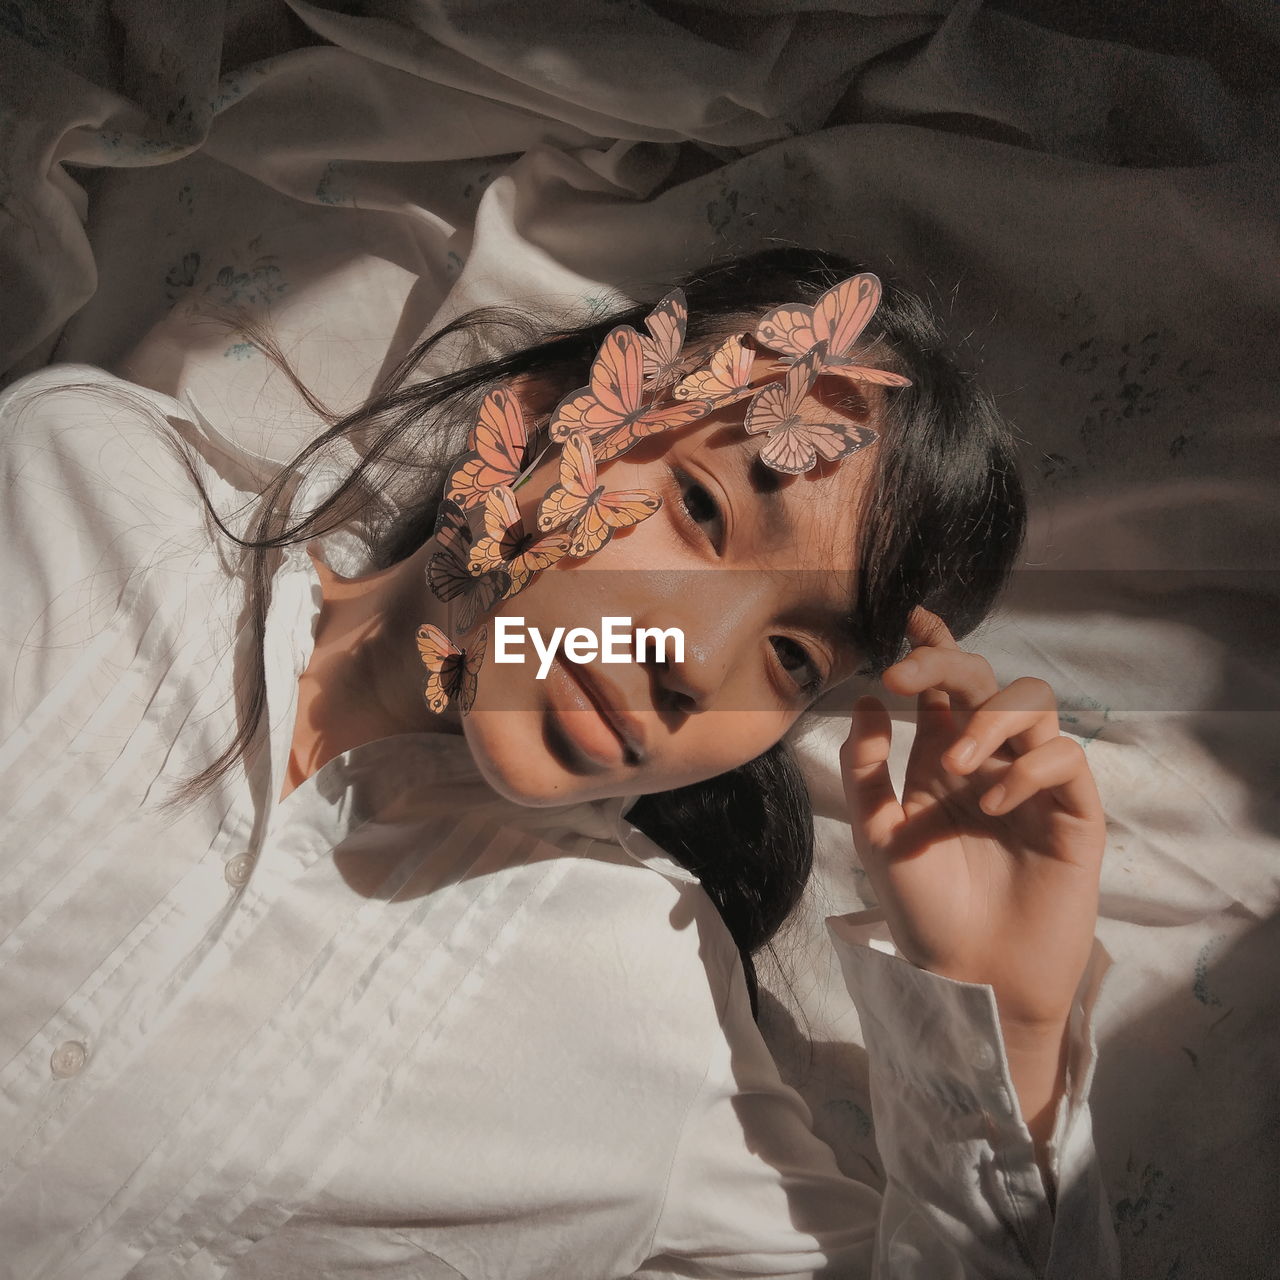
x,y
715,627
689,684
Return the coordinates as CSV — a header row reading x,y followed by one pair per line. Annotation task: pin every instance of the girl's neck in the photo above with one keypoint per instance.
x,y
364,679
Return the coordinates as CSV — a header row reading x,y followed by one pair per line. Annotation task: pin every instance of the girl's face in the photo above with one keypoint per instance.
x,y
752,566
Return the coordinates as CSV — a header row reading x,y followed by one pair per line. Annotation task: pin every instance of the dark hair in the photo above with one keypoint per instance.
x,y
944,522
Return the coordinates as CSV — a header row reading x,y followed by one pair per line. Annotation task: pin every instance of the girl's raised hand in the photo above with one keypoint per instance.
x,y
1002,891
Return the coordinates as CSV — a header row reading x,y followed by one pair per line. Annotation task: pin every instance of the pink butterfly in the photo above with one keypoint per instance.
x,y
613,410
795,443
506,545
666,324
725,378
497,447
836,319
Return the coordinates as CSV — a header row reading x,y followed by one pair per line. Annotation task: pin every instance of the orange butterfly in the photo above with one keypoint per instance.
x,y
612,409
507,546
450,671
582,505
498,444
448,573
794,444
838,319
725,378
666,324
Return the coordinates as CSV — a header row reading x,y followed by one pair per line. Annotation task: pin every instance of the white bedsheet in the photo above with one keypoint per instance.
x,y
1096,218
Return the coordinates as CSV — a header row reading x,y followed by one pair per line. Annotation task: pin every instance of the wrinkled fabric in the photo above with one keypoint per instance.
x,y
393,1024
1086,194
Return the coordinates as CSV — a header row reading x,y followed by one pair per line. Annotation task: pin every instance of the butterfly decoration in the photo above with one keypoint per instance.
x,y
725,378
625,402
837,319
498,445
795,443
579,503
449,574
613,409
506,545
666,324
451,671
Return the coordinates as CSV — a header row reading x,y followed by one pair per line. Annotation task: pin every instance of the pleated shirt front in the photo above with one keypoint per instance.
x,y
395,1025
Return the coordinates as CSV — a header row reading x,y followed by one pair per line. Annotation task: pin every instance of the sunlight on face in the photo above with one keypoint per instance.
x,y
754,567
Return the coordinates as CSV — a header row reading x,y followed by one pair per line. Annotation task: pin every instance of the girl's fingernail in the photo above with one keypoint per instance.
x,y
994,798
963,750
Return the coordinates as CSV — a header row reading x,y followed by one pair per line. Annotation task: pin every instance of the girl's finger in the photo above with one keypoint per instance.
x,y
928,628
966,678
1022,716
874,811
1058,767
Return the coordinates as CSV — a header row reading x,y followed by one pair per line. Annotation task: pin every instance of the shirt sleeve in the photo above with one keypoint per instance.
x,y
754,1192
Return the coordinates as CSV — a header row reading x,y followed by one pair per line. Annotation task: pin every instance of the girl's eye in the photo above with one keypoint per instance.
x,y
700,506
798,663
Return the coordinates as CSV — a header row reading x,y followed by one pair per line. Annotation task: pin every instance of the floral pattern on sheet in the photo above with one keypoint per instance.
x,y
741,212
1146,405
331,189
255,281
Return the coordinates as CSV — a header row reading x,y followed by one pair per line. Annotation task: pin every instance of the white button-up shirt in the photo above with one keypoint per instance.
x,y
395,1025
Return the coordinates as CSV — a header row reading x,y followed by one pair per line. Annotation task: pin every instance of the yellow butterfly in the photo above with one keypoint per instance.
x,y
507,546
583,506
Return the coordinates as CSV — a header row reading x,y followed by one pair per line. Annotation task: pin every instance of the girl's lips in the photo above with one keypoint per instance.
x,y
590,717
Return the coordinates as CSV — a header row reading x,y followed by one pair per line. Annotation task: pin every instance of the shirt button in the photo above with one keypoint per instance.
x,y
984,1055
238,870
68,1059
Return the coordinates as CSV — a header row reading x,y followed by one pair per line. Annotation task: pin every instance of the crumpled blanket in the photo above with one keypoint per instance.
x,y
1087,192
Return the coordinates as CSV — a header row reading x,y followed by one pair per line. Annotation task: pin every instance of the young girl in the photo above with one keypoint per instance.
x,y
339,942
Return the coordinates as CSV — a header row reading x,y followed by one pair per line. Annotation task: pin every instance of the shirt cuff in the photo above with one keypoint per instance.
x,y
945,1103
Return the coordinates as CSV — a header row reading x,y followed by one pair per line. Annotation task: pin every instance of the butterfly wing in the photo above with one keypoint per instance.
x,y
615,391
726,377
666,324
844,311
450,578
503,527
796,448
541,555
452,527
442,658
483,593
777,405
607,513
469,669
564,503
649,423
788,329
500,438
447,572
